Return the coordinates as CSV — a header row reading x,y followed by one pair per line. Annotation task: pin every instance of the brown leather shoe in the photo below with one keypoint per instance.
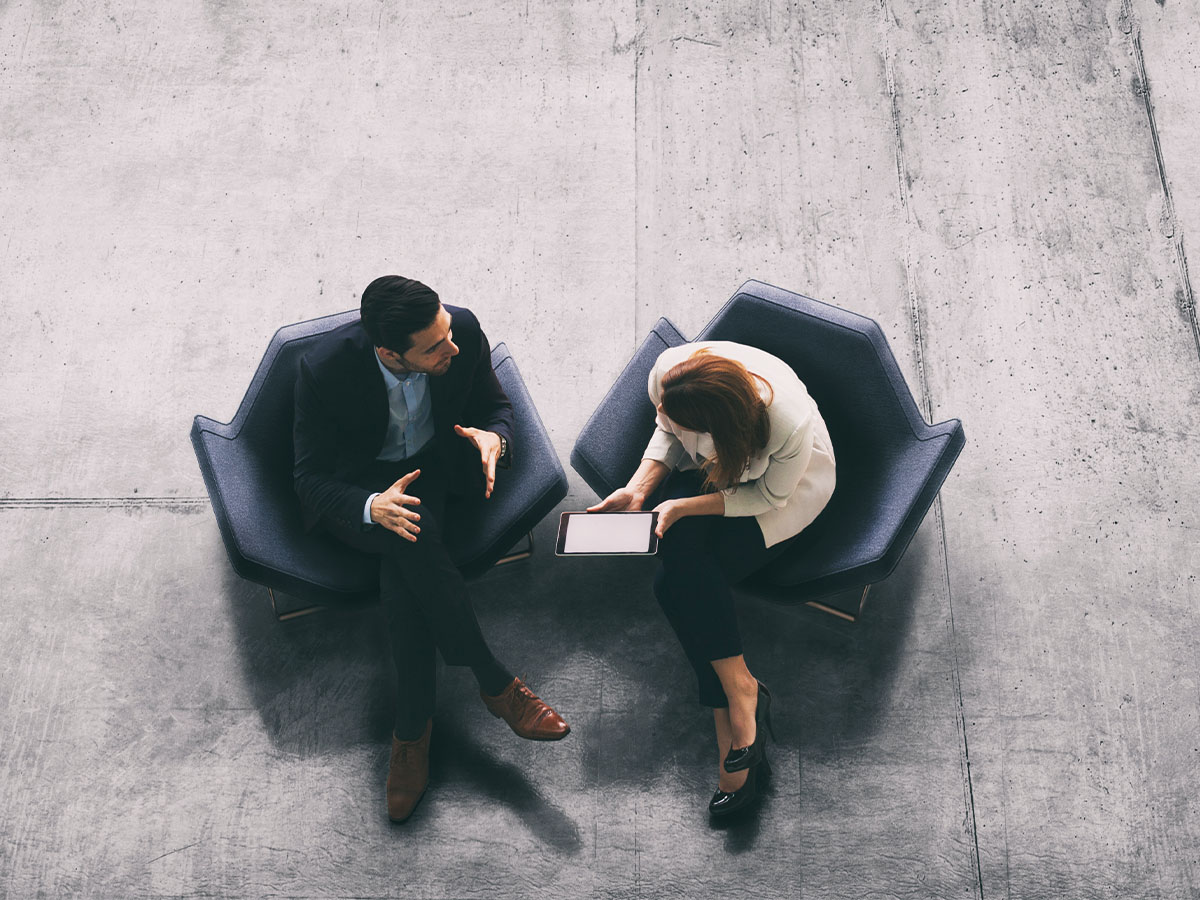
x,y
526,714
408,774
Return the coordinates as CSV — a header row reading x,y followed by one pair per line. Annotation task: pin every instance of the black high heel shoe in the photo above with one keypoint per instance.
x,y
724,803
747,757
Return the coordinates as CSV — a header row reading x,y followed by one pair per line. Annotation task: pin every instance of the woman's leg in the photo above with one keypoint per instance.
x,y
742,690
685,579
726,781
701,557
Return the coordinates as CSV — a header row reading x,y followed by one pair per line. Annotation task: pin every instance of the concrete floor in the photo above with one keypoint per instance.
x,y
1010,189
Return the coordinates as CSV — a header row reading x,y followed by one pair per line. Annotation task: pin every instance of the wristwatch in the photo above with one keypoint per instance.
x,y
503,446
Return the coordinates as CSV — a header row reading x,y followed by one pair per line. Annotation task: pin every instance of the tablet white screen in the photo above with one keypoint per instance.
x,y
626,533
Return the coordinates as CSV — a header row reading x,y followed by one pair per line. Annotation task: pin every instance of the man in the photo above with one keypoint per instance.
x,y
393,413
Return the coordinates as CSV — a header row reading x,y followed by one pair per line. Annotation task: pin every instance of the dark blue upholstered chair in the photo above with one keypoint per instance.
x,y
890,463
247,467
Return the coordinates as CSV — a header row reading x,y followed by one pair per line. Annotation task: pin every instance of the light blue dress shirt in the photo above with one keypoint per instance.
x,y
410,420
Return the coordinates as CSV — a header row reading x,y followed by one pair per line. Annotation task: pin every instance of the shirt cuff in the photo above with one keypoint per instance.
x,y
367,509
747,500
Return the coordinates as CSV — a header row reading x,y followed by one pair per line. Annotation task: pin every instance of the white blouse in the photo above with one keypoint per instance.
x,y
789,481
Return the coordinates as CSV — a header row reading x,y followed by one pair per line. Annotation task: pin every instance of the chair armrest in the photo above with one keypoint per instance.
x,y
484,530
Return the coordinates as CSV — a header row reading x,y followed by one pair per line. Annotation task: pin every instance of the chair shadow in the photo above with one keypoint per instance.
x,y
823,672
832,679
321,683
742,829
457,758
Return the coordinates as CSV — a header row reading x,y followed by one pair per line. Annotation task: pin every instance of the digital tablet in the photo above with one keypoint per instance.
x,y
607,534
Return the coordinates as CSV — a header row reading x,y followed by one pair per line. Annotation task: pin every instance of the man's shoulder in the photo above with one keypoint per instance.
x,y
461,317
338,348
467,331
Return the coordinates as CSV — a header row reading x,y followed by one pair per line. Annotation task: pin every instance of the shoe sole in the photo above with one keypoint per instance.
x,y
556,737
410,812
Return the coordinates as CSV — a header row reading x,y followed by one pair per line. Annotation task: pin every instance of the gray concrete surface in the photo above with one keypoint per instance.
x,y
1010,189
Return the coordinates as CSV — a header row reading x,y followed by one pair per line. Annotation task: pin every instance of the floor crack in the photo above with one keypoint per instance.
x,y
102,502
926,402
1184,297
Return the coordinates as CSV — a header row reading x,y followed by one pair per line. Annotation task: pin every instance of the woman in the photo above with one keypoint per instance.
x,y
750,466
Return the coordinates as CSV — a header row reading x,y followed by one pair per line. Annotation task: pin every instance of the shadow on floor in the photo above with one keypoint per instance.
x,y
322,683
838,678
458,762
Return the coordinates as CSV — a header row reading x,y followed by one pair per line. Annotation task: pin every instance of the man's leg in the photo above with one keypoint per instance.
x,y
423,570
421,574
425,600
419,577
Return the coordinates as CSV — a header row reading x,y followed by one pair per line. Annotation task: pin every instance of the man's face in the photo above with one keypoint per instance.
x,y
431,352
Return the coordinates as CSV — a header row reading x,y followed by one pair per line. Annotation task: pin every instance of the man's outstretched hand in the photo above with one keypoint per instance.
x,y
390,508
488,445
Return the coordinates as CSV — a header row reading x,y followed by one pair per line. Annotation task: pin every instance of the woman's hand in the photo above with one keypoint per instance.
x,y
670,512
622,499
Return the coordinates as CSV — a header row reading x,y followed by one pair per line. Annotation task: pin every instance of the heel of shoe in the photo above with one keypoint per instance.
x,y
763,712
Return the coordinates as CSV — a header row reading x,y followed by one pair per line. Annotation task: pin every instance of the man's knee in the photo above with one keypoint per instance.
x,y
428,539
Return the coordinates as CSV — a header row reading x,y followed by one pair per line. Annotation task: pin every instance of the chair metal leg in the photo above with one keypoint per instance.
x,y
520,554
293,614
841,613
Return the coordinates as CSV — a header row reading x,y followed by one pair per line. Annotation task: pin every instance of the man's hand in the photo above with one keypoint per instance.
x,y
488,445
390,508
625,498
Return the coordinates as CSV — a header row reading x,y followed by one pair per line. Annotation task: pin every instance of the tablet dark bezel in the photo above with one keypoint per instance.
x,y
561,539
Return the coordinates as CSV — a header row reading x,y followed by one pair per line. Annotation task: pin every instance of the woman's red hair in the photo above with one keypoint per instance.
x,y
713,394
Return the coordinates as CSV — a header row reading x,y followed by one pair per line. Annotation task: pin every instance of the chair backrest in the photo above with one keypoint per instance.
x,y
843,359
264,418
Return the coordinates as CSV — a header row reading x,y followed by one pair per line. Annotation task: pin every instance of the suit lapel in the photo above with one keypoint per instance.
x,y
374,396
438,399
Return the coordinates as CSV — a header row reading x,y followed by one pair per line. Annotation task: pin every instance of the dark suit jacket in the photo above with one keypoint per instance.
x,y
342,414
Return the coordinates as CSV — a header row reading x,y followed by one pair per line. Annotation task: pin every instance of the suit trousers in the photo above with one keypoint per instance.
x,y
700,557
424,596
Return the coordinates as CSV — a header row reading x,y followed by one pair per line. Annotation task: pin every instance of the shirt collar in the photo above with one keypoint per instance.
x,y
389,379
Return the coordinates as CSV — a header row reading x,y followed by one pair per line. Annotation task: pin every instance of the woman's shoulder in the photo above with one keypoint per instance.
x,y
751,357
791,407
784,381
775,371
744,353
674,355
667,360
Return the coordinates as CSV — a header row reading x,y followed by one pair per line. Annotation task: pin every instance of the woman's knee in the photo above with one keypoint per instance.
x,y
685,541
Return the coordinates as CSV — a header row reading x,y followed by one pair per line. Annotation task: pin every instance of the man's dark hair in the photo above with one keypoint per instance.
x,y
394,308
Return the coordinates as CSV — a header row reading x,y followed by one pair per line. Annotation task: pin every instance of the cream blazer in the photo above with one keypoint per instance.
x,y
789,482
